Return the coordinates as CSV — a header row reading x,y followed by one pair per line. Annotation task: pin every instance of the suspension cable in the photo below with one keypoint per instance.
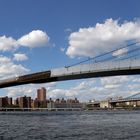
x,y
101,55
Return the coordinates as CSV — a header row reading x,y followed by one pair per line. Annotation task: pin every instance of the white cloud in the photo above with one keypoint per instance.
x,y
112,86
108,81
4,59
10,69
102,38
28,90
137,80
134,86
120,52
98,89
20,57
68,30
7,43
36,38
62,49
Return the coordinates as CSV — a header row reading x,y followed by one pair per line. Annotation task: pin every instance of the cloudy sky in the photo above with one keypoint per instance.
x,y
44,34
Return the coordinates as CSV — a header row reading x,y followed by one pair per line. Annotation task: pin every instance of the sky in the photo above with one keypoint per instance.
x,y
38,35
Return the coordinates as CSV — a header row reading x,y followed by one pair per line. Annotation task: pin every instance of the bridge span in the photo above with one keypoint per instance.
x,y
92,70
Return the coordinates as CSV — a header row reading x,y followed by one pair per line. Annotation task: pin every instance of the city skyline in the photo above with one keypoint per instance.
x,y
51,34
40,101
27,103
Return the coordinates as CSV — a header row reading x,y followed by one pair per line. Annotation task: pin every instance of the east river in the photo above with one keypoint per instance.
x,y
81,125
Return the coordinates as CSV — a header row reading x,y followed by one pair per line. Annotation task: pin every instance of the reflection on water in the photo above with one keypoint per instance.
x,y
82,125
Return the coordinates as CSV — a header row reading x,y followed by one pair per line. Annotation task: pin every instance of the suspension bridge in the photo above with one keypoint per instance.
x,y
124,60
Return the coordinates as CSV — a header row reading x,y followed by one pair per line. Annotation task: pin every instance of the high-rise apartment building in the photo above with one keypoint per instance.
x,y
41,94
16,102
25,102
35,103
9,101
5,101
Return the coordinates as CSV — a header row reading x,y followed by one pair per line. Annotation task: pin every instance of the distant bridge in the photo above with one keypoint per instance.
x,y
101,69
135,97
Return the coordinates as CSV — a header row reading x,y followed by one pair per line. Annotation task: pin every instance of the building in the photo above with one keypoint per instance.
x,y
25,102
10,101
3,101
41,97
92,104
105,104
41,94
70,103
28,99
51,105
22,102
16,102
34,103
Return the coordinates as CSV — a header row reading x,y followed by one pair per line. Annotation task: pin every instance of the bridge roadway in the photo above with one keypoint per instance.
x,y
100,69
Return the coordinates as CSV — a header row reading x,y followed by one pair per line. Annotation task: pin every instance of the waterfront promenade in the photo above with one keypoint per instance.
x,y
40,109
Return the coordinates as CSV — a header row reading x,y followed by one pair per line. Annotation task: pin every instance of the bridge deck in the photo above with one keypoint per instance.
x,y
111,68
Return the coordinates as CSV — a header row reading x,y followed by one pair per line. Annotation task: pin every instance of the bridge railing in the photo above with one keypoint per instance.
x,y
97,67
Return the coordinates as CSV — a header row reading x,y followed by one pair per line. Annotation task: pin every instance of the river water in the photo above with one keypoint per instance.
x,y
81,125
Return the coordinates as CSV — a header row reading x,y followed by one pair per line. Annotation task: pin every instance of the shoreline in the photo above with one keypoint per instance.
x,y
64,109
